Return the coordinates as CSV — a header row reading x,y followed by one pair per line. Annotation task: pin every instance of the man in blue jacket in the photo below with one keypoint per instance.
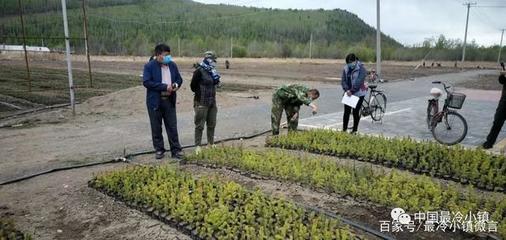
x,y
162,79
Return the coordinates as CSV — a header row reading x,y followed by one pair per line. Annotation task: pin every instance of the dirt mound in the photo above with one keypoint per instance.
x,y
128,101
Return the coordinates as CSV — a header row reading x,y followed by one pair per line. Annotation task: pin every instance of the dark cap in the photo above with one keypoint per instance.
x,y
210,54
351,58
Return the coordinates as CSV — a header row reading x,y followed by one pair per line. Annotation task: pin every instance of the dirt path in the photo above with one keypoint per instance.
x,y
102,129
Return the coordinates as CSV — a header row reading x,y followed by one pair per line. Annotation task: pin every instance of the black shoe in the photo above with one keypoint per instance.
x,y
353,132
487,146
159,154
178,155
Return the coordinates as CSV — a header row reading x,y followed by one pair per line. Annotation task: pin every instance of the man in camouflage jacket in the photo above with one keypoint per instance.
x,y
290,98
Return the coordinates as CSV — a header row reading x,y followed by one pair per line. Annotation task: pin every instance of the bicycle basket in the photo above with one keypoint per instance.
x,y
456,100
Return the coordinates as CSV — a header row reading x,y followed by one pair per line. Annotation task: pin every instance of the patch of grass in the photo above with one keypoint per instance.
x,y
9,232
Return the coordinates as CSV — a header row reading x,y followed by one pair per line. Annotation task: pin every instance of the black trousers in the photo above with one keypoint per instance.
x,y
356,115
166,112
499,117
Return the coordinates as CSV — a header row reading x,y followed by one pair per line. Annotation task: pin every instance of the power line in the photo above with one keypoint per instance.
x,y
480,16
490,6
486,15
483,18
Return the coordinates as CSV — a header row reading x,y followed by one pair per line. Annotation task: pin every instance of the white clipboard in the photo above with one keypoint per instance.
x,y
351,101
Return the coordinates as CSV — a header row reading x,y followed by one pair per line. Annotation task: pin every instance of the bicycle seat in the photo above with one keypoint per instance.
x,y
373,86
436,92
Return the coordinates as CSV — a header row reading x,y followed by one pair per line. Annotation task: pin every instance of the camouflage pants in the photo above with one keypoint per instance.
x,y
205,115
277,111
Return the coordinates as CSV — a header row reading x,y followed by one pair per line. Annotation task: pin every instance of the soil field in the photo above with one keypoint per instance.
x,y
49,84
483,82
301,70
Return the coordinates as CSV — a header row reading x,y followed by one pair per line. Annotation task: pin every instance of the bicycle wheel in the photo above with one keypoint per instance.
x,y
378,106
364,109
451,130
430,113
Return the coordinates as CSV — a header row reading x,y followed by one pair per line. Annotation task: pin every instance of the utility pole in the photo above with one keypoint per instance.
x,y
500,48
179,46
231,48
468,4
86,45
69,63
378,40
311,46
28,74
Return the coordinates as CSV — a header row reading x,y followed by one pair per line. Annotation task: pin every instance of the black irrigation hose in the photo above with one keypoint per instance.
x,y
125,159
130,156
61,169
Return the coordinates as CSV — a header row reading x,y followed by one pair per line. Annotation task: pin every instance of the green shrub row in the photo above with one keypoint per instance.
x,y
475,166
212,209
393,189
9,232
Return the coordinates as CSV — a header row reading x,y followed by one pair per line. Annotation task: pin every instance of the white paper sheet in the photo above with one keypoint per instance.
x,y
350,101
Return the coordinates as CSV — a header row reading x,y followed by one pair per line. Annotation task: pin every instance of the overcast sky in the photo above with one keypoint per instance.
x,y
410,21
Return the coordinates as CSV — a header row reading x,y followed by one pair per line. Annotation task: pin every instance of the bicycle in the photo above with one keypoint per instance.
x,y
376,104
447,126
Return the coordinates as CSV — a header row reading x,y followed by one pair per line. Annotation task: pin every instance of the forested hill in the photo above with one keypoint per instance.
x,y
134,26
